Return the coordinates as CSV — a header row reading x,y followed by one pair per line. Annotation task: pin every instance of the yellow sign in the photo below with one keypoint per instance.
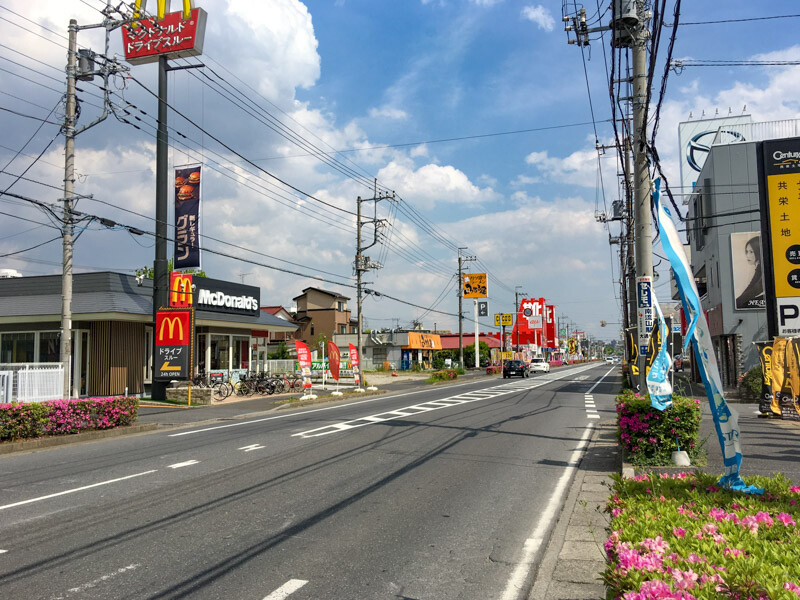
x,y
473,285
167,367
423,341
504,319
784,217
508,356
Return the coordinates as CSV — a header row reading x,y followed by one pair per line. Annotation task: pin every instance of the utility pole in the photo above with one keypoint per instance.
x,y
78,69
642,216
363,264
461,261
69,190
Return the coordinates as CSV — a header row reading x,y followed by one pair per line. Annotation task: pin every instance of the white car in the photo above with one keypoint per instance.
x,y
539,364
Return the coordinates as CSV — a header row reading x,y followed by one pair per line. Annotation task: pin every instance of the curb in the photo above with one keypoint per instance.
x,y
75,438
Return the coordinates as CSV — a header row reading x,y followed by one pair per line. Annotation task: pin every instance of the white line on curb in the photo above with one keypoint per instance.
x,y
533,543
287,588
80,489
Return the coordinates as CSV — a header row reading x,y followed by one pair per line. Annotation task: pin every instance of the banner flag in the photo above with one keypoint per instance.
x,y
793,371
765,405
334,359
304,359
726,420
187,218
658,383
354,361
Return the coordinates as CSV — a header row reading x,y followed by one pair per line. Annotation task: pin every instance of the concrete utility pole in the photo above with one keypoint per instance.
x,y
461,261
69,191
642,217
363,264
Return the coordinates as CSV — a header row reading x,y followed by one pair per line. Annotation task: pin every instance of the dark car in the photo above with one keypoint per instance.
x,y
514,367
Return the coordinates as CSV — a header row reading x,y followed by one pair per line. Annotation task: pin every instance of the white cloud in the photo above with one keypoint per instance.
x,y
388,112
539,15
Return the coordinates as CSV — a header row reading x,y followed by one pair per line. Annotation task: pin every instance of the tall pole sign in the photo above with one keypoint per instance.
x,y
780,227
150,39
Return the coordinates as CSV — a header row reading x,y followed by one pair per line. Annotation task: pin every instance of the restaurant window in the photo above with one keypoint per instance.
x,y
241,353
219,352
50,346
148,355
201,353
17,347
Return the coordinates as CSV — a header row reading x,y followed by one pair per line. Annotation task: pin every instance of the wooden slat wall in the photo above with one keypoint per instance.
x,y
117,354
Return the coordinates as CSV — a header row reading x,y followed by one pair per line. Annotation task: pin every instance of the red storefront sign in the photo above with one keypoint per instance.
x,y
173,36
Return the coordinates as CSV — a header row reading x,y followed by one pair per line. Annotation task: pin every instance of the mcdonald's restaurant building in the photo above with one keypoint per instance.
x,y
112,328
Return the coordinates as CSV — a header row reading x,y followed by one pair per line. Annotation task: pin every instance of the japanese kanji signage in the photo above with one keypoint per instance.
x,y
781,228
645,311
174,333
473,285
176,35
187,217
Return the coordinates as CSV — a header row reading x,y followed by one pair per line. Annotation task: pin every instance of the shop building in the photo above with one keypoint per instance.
x,y
112,328
393,349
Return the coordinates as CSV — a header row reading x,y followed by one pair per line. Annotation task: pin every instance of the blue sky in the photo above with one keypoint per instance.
x,y
390,76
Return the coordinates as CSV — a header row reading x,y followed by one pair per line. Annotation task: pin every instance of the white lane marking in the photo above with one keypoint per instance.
x,y
3,551
516,583
80,489
601,379
465,398
91,584
251,447
592,416
184,464
287,588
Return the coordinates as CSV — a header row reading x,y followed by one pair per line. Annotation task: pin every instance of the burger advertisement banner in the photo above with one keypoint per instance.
x,y
354,361
304,359
187,217
334,360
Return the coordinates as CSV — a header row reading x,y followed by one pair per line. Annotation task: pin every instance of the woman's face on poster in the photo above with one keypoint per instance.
x,y
750,255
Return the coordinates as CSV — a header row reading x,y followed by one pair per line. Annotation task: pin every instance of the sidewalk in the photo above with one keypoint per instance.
x,y
574,558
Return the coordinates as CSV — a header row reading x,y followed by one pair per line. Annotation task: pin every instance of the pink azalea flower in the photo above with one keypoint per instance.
x,y
792,587
786,519
679,532
684,580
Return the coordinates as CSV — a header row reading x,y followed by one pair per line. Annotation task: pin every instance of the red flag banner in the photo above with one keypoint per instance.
x,y
334,359
354,361
304,359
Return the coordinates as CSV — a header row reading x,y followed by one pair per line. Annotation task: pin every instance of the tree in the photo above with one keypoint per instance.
x,y
282,353
149,273
483,355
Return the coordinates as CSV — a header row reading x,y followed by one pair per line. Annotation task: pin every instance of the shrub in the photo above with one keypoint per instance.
x,y
649,436
683,537
443,375
59,417
751,382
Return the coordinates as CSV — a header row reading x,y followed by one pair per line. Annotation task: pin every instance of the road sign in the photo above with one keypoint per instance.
x,y
473,285
504,319
174,335
483,309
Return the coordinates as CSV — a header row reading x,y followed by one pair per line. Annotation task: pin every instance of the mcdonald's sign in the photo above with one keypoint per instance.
x,y
180,290
171,34
173,327
174,335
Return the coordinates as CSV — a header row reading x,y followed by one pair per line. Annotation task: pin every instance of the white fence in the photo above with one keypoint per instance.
x,y
31,382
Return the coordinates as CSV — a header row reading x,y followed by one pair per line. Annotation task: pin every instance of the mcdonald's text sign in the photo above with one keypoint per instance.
x,y
174,333
173,36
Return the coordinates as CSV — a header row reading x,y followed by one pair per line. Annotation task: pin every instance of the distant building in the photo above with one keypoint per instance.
x,y
322,312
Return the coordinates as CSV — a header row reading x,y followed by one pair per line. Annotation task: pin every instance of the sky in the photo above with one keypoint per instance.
x,y
477,115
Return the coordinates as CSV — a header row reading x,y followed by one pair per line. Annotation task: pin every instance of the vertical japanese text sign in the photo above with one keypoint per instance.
x,y
187,218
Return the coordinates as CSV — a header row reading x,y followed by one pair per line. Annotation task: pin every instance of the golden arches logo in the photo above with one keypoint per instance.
x,y
171,323
181,290
140,9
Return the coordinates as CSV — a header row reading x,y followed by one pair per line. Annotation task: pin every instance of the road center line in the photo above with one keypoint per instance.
x,y
183,464
516,583
601,379
290,587
80,489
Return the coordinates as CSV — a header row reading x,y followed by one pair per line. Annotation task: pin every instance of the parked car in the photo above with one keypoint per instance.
x,y
610,360
539,365
514,367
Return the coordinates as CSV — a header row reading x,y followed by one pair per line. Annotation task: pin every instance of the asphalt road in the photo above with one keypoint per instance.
x,y
437,494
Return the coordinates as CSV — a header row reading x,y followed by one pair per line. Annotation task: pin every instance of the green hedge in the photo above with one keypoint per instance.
x,y
444,375
649,436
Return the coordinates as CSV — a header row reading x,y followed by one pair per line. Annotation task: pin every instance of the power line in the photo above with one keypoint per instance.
x,y
743,20
31,248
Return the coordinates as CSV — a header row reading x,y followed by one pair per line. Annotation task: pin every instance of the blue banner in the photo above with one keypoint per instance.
x,y
726,421
658,384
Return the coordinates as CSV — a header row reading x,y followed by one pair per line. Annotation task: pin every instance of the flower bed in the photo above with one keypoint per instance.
x,y
443,375
59,417
492,369
681,537
649,436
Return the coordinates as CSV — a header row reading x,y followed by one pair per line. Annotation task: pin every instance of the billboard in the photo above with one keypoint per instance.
x,y
748,282
174,35
780,215
530,321
174,334
187,217
550,337
473,285
695,138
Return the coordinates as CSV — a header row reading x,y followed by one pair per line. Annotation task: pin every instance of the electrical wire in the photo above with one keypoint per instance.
x,y
31,248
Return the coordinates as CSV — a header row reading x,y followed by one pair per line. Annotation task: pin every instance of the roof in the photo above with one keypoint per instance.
x,y
333,294
100,295
450,340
